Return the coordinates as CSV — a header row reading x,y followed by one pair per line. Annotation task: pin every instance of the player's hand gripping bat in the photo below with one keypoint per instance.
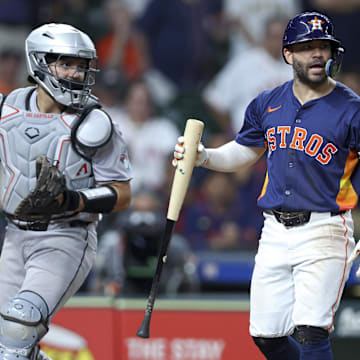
x,y
183,172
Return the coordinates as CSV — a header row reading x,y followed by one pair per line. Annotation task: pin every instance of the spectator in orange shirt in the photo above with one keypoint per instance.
x,y
119,48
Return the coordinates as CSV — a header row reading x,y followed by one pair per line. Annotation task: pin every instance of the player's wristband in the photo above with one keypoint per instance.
x,y
99,200
71,200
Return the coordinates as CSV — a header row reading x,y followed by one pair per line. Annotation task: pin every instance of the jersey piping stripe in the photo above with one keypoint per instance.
x,y
335,305
263,190
347,197
58,155
11,113
71,118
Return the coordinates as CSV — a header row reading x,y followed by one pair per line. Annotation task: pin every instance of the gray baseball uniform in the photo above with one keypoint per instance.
x,y
52,263
47,255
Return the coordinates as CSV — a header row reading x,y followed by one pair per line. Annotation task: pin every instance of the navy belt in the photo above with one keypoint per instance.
x,y
295,218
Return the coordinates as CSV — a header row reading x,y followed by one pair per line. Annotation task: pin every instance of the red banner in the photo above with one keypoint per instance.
x,y
96,333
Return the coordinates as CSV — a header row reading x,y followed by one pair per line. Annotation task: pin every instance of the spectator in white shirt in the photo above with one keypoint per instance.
x,y
246,75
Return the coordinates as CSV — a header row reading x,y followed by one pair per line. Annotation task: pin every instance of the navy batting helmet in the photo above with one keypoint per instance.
x,y
309,26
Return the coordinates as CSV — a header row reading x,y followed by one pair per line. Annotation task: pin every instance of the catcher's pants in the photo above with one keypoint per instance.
x,y
52,263
299,274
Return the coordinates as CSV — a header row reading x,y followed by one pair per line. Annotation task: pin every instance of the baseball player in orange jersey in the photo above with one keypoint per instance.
x,y
309,129
62,163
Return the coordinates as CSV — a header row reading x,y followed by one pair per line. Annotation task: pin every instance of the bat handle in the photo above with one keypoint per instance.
x,y
145,325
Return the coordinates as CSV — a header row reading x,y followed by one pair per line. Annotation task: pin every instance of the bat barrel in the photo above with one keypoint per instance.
x,y
185,166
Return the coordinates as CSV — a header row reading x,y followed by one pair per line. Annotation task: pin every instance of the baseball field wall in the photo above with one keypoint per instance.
x,y
98,328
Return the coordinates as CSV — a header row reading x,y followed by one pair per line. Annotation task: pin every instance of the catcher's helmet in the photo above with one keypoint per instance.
x,y
309,26
51,42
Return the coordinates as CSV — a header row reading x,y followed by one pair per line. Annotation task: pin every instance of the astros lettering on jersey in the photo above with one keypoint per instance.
x,y
312,148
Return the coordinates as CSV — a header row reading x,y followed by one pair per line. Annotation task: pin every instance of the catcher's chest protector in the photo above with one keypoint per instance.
x,y
23,137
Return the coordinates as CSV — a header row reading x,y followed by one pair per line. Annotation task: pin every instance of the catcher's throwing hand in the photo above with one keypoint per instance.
x,y
354,255
201,158
47,197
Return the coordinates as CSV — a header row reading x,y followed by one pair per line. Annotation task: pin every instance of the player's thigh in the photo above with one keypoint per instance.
x,y
12,271
272,288
58,266
321,274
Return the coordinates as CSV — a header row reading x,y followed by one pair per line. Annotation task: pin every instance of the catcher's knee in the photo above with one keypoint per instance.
x,y
23,322
269,345
311,334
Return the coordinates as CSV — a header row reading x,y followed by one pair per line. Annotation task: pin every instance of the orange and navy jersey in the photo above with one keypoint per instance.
x,y
312,149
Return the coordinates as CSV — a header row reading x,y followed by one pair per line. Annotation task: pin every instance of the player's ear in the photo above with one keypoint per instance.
x,y
287,54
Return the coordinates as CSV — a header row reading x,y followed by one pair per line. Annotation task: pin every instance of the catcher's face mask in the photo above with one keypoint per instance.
x,y
62,59
72,75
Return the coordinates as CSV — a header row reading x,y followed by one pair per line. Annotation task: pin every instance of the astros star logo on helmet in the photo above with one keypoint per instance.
x,y
316,24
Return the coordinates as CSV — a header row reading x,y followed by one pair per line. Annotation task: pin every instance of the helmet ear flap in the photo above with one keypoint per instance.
x,y
333,65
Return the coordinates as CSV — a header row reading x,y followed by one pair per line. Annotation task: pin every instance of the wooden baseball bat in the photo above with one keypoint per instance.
x,y
182,176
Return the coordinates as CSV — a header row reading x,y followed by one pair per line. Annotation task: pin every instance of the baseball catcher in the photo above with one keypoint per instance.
x,y
62,164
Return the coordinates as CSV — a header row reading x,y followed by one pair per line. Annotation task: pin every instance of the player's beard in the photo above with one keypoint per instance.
x,y
301,72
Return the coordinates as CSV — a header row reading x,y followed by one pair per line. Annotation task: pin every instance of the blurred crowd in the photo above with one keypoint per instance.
x,y
161,63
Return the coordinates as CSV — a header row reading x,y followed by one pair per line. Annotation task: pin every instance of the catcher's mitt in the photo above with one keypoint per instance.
x,y
41,203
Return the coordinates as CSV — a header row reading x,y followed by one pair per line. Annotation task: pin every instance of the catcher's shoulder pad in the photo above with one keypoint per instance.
x,y
94,129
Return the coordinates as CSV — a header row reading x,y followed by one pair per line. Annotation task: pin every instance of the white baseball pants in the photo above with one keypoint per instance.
x,y
299,274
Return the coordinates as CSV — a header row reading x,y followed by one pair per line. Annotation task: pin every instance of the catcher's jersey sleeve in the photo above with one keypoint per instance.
x,y
111,162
